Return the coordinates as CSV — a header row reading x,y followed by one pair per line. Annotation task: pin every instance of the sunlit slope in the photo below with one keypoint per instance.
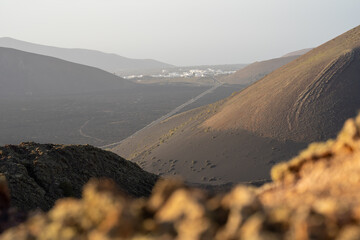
x,y
306,100
239,138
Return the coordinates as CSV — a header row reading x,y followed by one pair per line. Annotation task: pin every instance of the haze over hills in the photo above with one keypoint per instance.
x,y
45,99
106,61
23,73
240,138
257,70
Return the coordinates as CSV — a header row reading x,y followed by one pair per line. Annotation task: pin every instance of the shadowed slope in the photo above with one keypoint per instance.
x,y
178,146
240,138
27,73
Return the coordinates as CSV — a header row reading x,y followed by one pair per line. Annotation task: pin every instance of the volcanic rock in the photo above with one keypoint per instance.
x,y
39,174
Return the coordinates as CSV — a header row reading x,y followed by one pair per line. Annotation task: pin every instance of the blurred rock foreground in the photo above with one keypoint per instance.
x,y
314,196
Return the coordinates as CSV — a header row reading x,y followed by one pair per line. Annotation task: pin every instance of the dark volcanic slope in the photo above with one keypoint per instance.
x,y
105,61
257,70
240,138
27,73
39,174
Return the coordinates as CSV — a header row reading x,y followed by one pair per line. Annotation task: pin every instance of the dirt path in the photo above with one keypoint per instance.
x,y
84,134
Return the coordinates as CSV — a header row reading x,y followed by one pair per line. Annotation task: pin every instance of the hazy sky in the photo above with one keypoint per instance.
x,y
180,32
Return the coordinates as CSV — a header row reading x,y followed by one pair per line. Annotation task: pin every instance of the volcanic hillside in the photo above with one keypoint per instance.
x,y
240,138
306,100
258,70
23,73
106,61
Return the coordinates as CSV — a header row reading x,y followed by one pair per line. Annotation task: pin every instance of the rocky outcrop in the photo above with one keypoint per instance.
x,y
39,174
314,196
9,217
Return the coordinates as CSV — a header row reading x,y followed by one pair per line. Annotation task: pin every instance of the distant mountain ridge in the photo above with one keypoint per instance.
x,y
106,61
298,52
257,70
23,73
